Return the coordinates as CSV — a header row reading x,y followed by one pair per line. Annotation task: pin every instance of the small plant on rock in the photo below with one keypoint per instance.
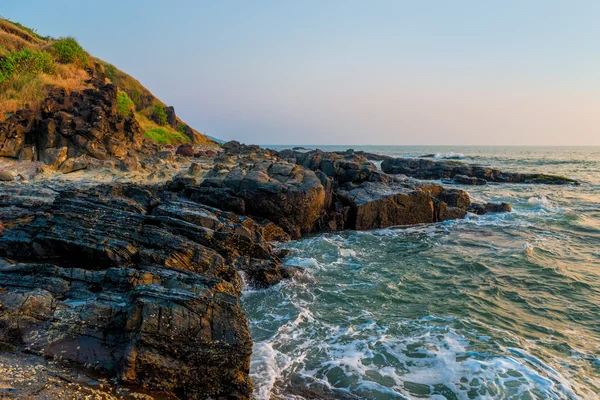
x,y
159,115
124,104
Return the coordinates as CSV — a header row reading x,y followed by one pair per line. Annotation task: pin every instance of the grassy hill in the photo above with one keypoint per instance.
x,y
31,64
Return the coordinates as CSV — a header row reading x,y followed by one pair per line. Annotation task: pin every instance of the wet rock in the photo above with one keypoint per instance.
x,y
481,209
469,180
134,282
261,274
468,174
367,155
378,205
341,168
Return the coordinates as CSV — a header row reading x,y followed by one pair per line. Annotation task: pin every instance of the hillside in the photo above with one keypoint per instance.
x,y
32,66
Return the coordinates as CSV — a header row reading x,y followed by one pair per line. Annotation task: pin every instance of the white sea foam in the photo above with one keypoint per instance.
x,y
538,201
366,358
450,156
266,367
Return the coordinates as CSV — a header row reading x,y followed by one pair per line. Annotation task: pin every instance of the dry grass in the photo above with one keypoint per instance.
x,y
10,42
12,29
27,92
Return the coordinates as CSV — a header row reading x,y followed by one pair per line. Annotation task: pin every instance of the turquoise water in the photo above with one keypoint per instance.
x,y
497,306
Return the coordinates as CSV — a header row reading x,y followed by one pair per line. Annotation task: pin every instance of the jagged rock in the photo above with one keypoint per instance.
x,y
481,209
469,180
263,274
141,283
54,157
223,159
378,205
205,153
134,282
194,169
130,164
341,167
429,169
6,176
82,122
289,195
75,164
171,117
185,150
367,155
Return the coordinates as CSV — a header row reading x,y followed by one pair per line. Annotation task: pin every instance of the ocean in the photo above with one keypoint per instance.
x,y
494,306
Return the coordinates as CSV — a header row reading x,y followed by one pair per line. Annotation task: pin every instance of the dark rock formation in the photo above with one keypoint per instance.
x,y
319,191
142,283
287,194
71,125
481,209
377,205
185,150
135,282
171,117
367,155
469,180
428,169
341,168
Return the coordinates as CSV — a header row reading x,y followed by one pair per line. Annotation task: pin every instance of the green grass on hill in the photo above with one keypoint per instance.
x,y
166,136
68,51
124,104
25,62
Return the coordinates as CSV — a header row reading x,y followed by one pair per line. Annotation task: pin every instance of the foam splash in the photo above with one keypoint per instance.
x,y
538,201
266,367
450,156
367,360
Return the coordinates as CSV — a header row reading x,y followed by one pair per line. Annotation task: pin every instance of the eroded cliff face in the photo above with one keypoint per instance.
x,y
71,128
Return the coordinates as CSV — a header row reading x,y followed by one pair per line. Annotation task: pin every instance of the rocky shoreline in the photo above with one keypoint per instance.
x,y
138,278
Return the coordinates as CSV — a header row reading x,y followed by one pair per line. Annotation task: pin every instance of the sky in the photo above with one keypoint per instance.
x,y
464,72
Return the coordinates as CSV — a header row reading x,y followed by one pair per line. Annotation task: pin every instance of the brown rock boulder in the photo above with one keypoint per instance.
x,y
185,150
6,176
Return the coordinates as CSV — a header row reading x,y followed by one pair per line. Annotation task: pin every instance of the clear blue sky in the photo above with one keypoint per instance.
x,y
353,72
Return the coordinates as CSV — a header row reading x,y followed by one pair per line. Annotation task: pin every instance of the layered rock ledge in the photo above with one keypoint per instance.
x,y
463,173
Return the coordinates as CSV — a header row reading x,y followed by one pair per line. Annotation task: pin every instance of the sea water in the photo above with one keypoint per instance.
x,y
494,306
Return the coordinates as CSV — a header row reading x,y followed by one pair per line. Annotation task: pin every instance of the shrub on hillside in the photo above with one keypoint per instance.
x,y
111,72
159,115
124,104
25,62
68,51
